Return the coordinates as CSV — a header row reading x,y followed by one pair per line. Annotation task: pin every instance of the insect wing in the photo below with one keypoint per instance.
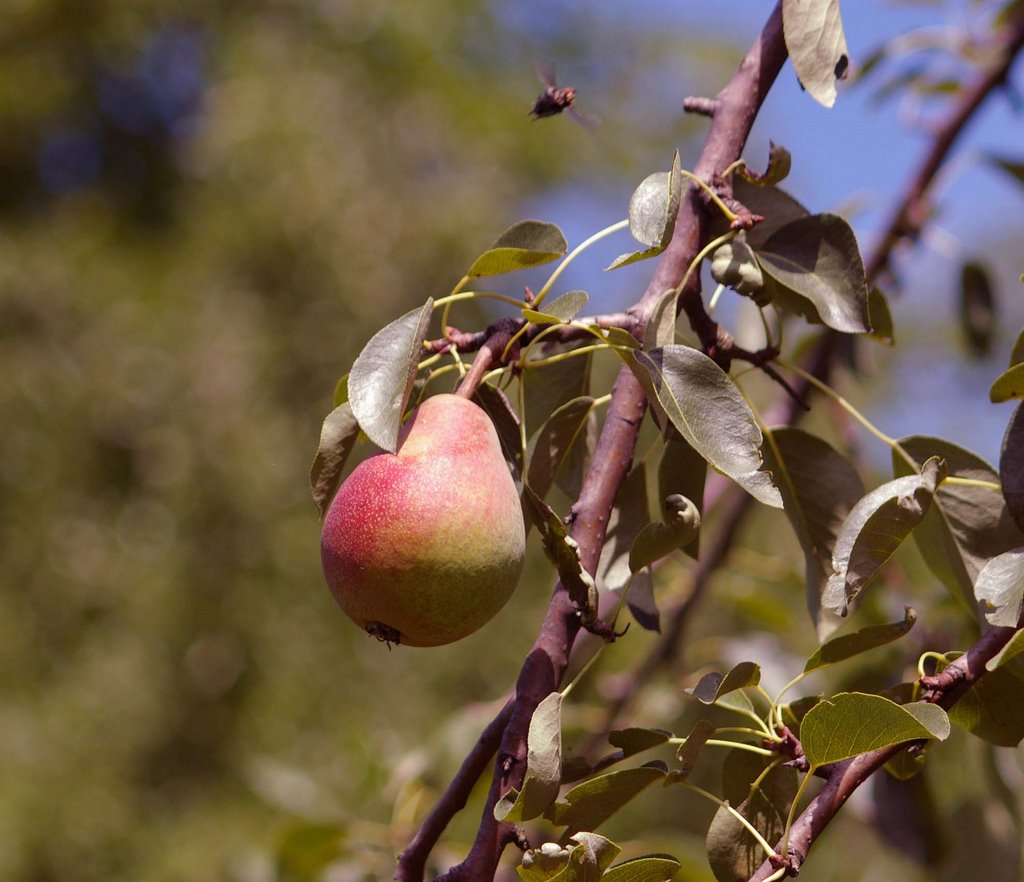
x,y
545,73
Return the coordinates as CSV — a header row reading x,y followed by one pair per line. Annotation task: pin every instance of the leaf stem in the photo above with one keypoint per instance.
x,y
755,785
761,724
974,482
431,360
713,302
563,356
733,166
521,398
582,671
730,215
473,295
722,742
930,654
572,255
721,803
788,686
447,302
793,808
514,338
851,410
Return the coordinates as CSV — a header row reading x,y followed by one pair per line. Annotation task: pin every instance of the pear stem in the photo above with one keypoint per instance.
x,y
489,355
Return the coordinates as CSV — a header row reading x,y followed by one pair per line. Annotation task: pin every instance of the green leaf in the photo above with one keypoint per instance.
x,y
736,701
813,31
691,748
874,529
628,741
906,765
993,708
654,205
590,804
682,471
636,740
819,488
1008,385
967,526
1011,467
656,541
816,258
634,257
733,854
707,409
337,438
643,869
629,516
621,338
305,851
558,311
496,405
977,308
524,244
852,723
713,686
563,552
1000,587
880,317
779,164
661,327
381,378
776,206
734,264
848,645
1009,652
561,450
547,388
1017,352
543,765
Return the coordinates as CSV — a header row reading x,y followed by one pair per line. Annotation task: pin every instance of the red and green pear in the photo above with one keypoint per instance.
x,y
423,546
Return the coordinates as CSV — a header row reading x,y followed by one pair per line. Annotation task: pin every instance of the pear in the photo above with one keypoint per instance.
x,y
425,545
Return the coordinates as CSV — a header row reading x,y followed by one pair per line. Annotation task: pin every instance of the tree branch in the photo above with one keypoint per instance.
x,y
944,689
412,861
845,777
912,210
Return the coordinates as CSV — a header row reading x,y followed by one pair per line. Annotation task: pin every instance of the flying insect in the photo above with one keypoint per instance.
x,y
555,99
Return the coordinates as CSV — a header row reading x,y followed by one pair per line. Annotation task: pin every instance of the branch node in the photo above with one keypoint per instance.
x,y
700,106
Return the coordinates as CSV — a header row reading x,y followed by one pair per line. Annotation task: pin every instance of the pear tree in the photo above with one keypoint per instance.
x,y
646,471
